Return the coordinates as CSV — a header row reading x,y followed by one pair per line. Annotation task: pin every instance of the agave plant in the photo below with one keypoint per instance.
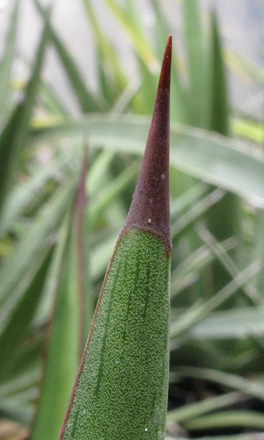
x,y
59,222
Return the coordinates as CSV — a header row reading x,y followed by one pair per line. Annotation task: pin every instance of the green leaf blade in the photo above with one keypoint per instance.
x,y
15,133
133,314
205,155
63,347
86,99
7,61
18,326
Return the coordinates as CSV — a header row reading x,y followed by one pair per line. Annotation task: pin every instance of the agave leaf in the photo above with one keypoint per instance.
x,y
99,168
251,436
86,99
20,266
63,346
141,44
68,317
230,324
145,93
82,237
108,195
197,52
258,252
228,264
208,156
7,61
200,311
51,100
227,419
191,268
136,20
149,77
188,412
187,199
249,130
22,196
220,123
14,135
229,208
16,395
17,328
219,111
101,255
196,212
244,67
121,389
231,381
111,73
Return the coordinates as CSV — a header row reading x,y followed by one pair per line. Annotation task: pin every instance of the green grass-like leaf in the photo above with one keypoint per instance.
x,y
133,313
14,135
7,62
211,157
63,345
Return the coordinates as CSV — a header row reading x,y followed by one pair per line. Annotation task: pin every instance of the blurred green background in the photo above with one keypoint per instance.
x,y
77,88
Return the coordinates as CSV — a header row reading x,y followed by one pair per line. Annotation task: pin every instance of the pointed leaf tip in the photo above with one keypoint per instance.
x,y
150,208
164,82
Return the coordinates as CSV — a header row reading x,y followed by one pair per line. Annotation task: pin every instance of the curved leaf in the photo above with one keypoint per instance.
x,y
206,155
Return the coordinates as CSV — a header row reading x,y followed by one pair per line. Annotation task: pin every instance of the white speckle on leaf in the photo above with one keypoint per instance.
x,y
121,369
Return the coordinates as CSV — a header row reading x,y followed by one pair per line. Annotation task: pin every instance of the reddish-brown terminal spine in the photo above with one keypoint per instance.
x,y
150,209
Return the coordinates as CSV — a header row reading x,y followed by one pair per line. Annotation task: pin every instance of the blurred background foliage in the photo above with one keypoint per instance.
x,y
68,169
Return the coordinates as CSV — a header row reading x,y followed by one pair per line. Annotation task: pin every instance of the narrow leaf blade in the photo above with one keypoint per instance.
x,y
122,383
